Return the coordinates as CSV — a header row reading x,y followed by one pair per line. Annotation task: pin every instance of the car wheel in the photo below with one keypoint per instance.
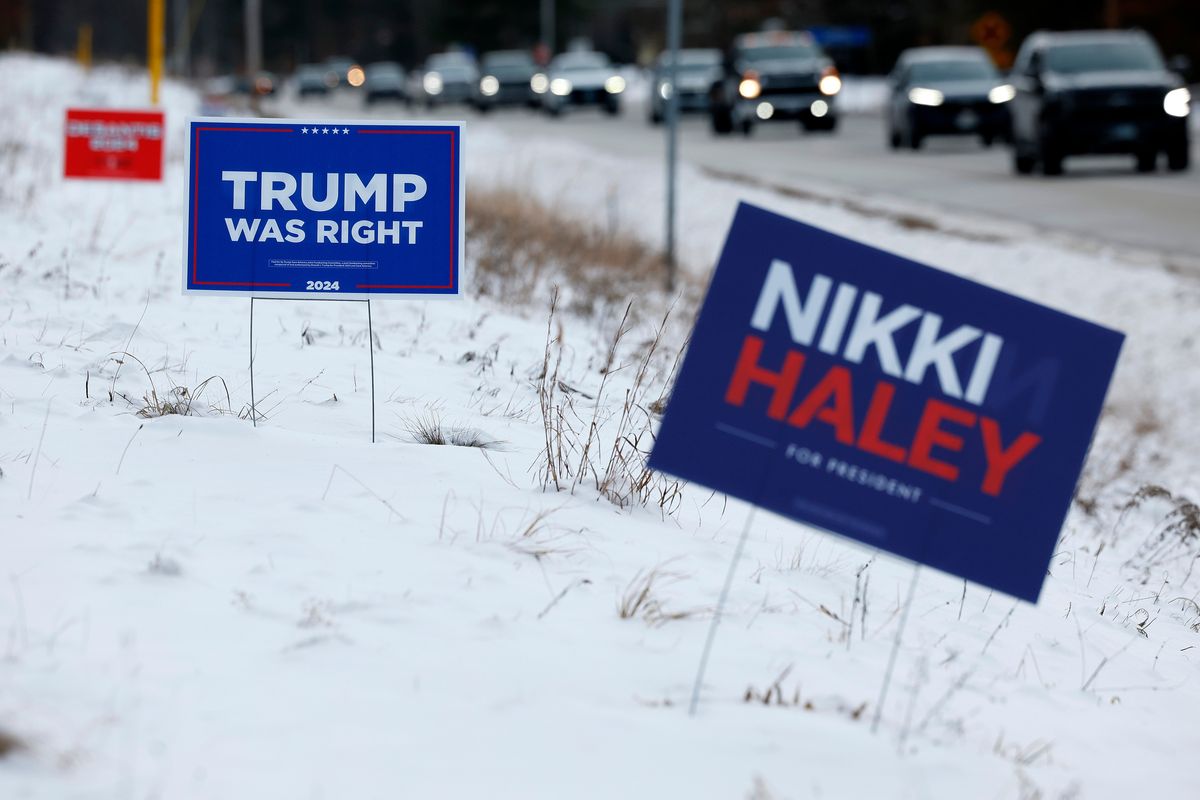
x,y
656,117
747,127
987,139
722,121
612,109
914,139
1178,158
1147,160
1023,164
894,139
554,111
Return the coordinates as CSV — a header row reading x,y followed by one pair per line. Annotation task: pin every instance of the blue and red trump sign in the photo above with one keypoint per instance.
x,y
887,401
324,210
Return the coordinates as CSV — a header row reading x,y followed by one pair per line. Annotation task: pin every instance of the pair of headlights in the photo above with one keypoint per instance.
x,y
829,84
921,96
561,87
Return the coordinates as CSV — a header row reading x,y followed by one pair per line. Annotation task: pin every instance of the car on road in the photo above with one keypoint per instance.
x,y
947,91
450,77
314,79
384,80
1097,92
774,76
504,80
696,72
341,68
579,79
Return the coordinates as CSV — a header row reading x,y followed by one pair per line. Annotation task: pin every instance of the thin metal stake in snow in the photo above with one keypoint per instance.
x,y
253,407
712,628
370,346
887,676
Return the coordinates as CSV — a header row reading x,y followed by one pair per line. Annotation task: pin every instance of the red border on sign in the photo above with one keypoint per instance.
x,y
195,207
453,217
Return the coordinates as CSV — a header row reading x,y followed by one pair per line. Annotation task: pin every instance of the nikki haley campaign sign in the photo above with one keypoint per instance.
x,y
324,210
887,401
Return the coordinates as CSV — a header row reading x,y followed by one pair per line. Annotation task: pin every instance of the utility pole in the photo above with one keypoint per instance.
x,y
154,46
674,34
183,39
253,32
548,25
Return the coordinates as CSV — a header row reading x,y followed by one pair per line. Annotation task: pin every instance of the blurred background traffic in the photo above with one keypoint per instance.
x,y
814,90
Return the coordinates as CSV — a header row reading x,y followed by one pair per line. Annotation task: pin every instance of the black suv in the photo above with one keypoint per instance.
x,y
776,75
1096,92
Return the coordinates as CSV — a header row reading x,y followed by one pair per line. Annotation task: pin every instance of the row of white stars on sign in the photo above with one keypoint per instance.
x,y
324,130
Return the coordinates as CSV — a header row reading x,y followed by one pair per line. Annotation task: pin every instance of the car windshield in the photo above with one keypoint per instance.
x,y
1102,57
693,60
445,60
509,61
792,51
964,70
454,72
506,70
577,61
311,73
384,71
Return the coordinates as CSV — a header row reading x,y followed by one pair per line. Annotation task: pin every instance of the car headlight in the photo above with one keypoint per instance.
x,y
1002,93
488,85
432,83
830,83
539,83
614,85
1178,102
560,87
920,96
356,77
749,88
664,90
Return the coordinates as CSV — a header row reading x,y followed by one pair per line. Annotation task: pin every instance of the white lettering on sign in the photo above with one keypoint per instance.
x,y
873,330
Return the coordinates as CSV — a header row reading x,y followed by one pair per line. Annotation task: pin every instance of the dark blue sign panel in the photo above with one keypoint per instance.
x,y
887,401
324,210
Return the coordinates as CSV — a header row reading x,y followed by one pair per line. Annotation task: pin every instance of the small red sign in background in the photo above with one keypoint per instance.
x,y
113,144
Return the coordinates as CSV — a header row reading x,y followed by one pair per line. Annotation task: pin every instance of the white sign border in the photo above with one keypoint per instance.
x,y
460,249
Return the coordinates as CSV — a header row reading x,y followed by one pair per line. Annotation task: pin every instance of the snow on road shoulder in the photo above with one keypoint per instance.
x,y
195,608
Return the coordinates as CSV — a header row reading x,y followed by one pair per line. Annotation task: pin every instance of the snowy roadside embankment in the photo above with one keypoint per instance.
x,y
195,608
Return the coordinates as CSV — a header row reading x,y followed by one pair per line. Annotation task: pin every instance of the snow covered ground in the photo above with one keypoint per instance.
x,y
195,608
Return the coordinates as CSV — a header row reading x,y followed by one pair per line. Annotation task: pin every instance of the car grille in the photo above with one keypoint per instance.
x,y
1116,105
789,84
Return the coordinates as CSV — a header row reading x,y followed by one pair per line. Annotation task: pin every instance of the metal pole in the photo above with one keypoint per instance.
x,y
712,628
182,53
253,30
154,46
547,22
887,676
674,34
253,407
371,347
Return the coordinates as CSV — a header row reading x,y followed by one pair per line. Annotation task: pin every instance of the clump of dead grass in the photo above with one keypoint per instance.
x,y
429,429
10,744
640,600
608,447
521,246
1174,539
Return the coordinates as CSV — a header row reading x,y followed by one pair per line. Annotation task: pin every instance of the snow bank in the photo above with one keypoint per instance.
x,y
195,608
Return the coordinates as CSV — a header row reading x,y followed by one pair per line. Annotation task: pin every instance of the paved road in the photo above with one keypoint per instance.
x,y
1100,199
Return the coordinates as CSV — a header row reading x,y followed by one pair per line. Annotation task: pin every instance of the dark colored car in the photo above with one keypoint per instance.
x,y
504,80
1096,92
578,79
384,80
772,76
315,79
450,77
947,91
695,75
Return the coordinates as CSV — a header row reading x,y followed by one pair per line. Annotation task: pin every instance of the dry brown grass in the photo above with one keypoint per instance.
x,y
520,247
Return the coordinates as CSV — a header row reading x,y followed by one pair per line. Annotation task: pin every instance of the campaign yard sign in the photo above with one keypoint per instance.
x,y
324,210
887,401
113,144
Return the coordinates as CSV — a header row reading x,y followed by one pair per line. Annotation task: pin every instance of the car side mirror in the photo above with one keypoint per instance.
x,y
1181,64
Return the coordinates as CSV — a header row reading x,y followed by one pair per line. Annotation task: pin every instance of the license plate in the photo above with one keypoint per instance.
x,y
967,120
